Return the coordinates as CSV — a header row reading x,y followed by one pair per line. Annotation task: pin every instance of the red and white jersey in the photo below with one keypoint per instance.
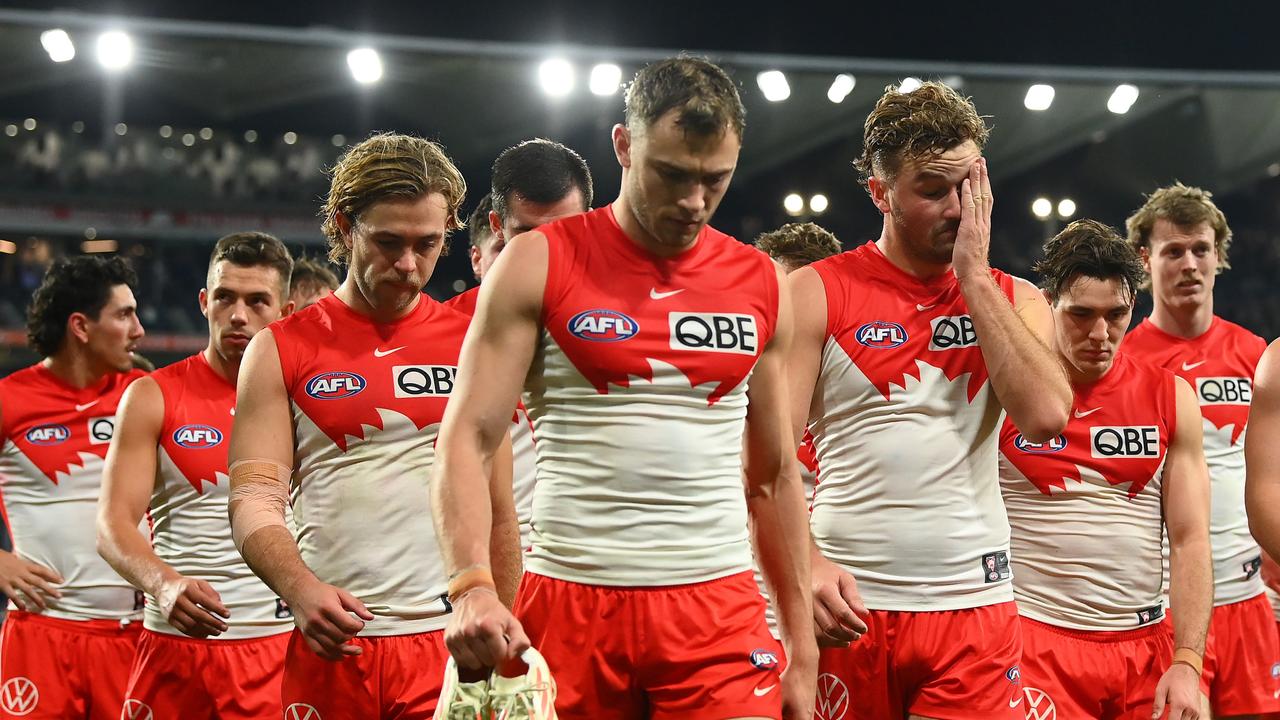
x,y
906,424
1085,506
188,513
523,466
55,440
367,402
638,395
1220,365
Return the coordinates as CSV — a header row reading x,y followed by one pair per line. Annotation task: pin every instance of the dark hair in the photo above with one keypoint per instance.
x,y
250,249
798,244
311,273
539,171
478,222
82,284
1091,249
931,119
703,94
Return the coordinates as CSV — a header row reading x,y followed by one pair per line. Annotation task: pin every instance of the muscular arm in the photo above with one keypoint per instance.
x,y
1262,454
504,538
1186,510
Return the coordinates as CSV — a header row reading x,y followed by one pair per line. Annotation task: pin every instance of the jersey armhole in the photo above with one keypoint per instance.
x,y
553,286
831,290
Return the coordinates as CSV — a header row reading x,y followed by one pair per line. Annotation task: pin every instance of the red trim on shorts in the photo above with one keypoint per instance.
x,y
103,628
212,641
1100,636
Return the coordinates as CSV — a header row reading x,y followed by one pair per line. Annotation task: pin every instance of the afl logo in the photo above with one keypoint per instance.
x,y
197,437
1044,448
764,660
603,326
48,434
335,385
881,335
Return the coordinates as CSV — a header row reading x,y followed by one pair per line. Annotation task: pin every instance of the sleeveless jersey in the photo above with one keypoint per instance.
x,y
1085,507
638,396
367,401
906,427
1220,365
188,513
55,440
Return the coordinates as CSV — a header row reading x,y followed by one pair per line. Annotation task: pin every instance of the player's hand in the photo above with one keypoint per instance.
x,y
483,633
838,611
192,606
29,585
1179,693
800,685
324,614
1270,572
970,255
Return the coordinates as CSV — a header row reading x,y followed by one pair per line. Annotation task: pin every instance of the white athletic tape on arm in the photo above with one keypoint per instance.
x,y
259,495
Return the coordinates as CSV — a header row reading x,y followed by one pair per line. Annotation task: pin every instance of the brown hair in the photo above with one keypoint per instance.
x,y
249,249
1183,206
798,244
312,274
704,96
911,125
1091,249
388,165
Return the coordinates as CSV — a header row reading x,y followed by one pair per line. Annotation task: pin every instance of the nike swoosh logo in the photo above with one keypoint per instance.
x,y
1192,366
922,308
761,692
1086,413
1016,702
384,353
86,406
655,295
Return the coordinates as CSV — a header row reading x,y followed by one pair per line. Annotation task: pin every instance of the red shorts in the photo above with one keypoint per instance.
x,y
64,669
397,677
1240,662
683,651
1108,675
179,677
950,665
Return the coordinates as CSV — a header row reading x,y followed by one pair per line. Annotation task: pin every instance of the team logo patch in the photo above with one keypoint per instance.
x,y
713,332
335,385
413,381
1124,441
1039,705
1224,391
603,326
19,696
995,566
48,434
135,710
833,698
881,335
301,711
1251,567
952,332
197,437
282,609
1146,615
1052,446
764,659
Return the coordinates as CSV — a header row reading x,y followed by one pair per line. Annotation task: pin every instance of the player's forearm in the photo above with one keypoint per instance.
x,y
1191,590
780,535
272,554
1262,502
505,556
131,556
461,504
1025,375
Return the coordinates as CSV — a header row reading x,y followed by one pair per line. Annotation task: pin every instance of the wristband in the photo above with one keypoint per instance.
x,y
469,579
1190,658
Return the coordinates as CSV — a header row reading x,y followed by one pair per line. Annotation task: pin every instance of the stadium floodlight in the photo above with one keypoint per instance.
x,y
1066,208
58,44
818,204
605,79
290,137
1039,97
909,84
1122,98
115,50
1042,207
556,77
793,204
774,85
365,65
841,87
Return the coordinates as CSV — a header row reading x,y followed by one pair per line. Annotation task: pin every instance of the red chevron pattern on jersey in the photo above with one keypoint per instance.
x,y
613,307
199,406
1119,428
52,423
891,319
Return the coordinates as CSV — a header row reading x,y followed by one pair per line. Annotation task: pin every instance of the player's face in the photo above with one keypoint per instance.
x,y
1183,262
238,302
522,216
1090,319
394,249
675,181
116,331
923,202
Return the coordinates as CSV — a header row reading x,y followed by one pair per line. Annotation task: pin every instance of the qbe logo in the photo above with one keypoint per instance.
x,y
19,696
1051,445
1224,391
136,710
952,332
413,381
714,332
49,434
301,711
101,429
881,335
197,437
603,326
1125,441
833,698
335,385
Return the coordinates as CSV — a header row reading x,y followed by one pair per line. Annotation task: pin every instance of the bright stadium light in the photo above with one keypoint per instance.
x,y
818,204
1039,97
793,204
366,65
1066,208
556,77
774,85
841,87
58,44
115,50
1042,207
605,79
909,84
1122,98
